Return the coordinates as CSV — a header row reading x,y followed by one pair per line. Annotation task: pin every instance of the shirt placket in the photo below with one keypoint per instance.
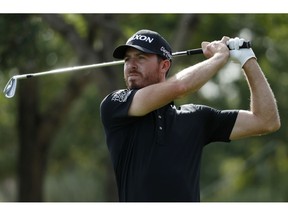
x,y
160,127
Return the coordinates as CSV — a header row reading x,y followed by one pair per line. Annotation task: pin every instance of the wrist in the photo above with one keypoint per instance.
x,y
242,55
247,55
250,63
221,58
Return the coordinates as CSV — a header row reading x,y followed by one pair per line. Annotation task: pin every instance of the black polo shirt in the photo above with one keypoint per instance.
x,y
157,157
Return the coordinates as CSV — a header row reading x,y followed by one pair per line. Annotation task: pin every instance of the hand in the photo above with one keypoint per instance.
x,y
211,48
239,55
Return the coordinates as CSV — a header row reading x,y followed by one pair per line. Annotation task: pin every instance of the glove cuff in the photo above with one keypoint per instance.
x,y
246,55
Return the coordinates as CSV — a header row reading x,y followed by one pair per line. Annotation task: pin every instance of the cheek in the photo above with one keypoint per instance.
x,y
152,75
154,70
125,71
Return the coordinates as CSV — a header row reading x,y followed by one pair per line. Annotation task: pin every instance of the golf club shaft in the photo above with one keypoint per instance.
x,y
69,69
99,65
10,87
112,63
246,44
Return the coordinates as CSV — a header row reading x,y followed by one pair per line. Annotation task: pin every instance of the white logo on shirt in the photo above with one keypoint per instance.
x,y
121,96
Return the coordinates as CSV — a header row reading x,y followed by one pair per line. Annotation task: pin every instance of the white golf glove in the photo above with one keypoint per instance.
x,y
239,55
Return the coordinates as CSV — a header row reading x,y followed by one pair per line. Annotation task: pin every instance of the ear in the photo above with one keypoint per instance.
x,y
165,66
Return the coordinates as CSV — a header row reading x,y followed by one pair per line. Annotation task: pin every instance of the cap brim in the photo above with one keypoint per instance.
x,y
120,51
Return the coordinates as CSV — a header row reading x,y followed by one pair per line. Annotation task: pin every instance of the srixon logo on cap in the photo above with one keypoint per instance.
x,y
141,38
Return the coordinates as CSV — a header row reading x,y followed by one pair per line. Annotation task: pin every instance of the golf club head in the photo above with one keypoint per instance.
x,y
10,88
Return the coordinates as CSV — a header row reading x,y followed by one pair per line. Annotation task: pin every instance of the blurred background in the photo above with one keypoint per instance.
x,y
52,144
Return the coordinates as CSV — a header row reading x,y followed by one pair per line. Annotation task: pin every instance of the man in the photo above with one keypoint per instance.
x,y
155,147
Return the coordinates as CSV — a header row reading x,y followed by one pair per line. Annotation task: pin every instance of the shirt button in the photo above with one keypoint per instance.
x,y
160,128
159,116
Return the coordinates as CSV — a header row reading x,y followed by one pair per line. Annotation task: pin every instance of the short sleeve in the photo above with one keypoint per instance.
x,y
219,123
114,107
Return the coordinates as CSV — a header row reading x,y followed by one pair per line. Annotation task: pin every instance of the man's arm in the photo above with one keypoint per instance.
x,y
186,81
263,116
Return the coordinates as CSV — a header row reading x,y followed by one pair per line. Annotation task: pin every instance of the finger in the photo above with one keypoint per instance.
x,y
236,43
225,39
206,47
241,41
232,43
204,44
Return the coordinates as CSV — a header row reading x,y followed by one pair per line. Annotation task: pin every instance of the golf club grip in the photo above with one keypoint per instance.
x,y
246,44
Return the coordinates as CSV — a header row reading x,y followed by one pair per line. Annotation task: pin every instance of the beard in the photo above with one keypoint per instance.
x,y
138,81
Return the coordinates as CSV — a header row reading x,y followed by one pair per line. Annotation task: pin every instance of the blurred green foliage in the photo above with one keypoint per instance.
x,y
79,167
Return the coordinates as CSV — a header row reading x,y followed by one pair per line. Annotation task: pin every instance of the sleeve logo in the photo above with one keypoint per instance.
x,y
121,96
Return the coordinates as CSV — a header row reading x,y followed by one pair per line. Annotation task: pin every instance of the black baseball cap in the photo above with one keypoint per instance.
x,y
146,41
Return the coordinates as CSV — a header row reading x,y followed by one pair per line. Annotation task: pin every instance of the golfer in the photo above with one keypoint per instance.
x,y
155,146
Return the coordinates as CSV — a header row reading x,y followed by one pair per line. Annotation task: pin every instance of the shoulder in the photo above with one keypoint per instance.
x,y
204,110
116,104
195,108
120,95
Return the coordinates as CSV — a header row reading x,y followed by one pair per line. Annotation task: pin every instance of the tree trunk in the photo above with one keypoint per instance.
x,y
32,156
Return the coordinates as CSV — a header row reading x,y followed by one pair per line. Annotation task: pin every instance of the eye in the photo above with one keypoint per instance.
x,y
126,59
141,57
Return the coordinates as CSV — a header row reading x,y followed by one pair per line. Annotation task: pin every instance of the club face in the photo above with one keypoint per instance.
x,y
10,88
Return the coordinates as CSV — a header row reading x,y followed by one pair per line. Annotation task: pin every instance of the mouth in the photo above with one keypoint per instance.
x,y
132,80
133,74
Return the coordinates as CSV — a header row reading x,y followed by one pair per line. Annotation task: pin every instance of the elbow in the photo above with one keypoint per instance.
x,y
276,125
180,90
271,126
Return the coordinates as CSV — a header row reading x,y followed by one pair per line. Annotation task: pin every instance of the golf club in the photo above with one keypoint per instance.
x,y
10,87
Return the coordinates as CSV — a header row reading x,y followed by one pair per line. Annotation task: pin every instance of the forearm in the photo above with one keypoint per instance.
x,y
194,77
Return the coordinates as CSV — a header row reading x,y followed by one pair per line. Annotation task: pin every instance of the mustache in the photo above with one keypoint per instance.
x,y
133,71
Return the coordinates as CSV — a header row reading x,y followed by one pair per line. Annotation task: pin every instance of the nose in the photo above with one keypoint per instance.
x,y
131,63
